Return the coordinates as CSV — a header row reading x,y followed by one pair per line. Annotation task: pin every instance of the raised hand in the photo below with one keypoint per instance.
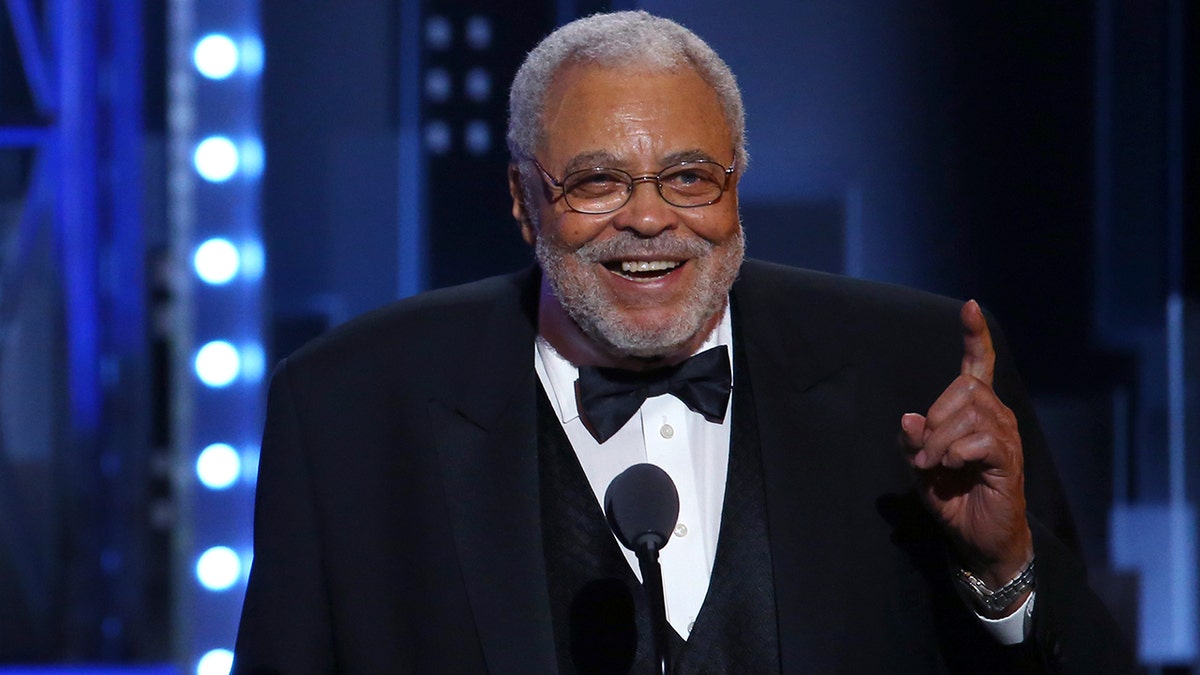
x,y
967,455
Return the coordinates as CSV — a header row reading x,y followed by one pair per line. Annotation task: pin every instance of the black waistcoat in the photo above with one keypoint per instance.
x,y
600,613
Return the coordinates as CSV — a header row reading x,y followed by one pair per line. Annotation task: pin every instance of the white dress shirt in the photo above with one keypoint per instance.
x,y
693,451
695,454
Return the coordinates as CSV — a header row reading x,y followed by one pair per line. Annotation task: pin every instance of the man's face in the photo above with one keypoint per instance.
x,y
640,122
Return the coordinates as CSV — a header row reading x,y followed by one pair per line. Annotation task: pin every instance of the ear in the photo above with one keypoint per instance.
x,y
520,209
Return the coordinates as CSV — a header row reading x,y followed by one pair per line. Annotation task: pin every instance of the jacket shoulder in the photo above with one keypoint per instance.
x,y
426,326
817,295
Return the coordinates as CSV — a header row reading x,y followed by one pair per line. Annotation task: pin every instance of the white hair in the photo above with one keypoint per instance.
x,y
620,39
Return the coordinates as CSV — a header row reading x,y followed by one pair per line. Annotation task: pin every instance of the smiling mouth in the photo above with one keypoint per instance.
x,y
642,269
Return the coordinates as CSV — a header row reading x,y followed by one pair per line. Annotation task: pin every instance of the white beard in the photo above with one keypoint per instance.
x,y
574,277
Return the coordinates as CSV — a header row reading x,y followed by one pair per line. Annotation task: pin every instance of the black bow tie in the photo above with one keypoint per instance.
x,y
608,397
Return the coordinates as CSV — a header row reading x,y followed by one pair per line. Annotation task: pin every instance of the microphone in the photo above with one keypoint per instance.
x,y
642,506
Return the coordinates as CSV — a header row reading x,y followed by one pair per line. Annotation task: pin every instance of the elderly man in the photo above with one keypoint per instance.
x,y
432,473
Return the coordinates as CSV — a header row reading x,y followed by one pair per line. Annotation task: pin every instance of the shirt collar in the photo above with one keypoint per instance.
x,y
558,374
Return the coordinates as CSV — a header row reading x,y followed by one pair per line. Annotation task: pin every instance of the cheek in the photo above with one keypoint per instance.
x,y
717,225
574,229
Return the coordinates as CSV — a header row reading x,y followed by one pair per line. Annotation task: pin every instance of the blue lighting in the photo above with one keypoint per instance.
x,y
253,260
218,466
478,84
215,662
252,157
217,261
218,364
479,32
254,362
439,34
214,117
218,568
215,56
437,137
216,159
479,137
251,55
438,85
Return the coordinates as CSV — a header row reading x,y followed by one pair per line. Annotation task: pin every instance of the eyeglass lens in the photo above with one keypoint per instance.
x,y
686,185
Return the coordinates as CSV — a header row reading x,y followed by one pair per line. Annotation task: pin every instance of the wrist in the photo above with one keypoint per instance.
x,y
997,600
997,567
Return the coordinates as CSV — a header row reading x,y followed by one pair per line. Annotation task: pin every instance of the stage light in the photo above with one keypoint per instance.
x,y
215,56
216,261
215,662
217,363
216,159
478,137
218,466
254,362
479,32
251,52
438,33
251,157
437,85
253,260
437,137
478,84
218,568
214,186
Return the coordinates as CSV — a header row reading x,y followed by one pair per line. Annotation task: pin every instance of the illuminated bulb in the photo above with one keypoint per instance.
x,y
216,159
437,85
438,32
478,84
478,137
215,56
217,363
437,137
215,662
253,362
218,568
251,157
218,466
216,261
479,32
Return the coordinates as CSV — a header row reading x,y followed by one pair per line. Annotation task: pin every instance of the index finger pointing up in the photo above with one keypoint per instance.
x,y
979,359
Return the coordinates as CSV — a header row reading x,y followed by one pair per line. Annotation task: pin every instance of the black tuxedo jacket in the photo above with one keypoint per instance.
x,y
397,525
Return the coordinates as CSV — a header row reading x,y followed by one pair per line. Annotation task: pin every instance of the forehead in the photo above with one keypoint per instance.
x,y
633,116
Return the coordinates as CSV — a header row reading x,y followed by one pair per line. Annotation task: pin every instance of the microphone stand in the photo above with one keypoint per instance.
x,y
642,506
647,555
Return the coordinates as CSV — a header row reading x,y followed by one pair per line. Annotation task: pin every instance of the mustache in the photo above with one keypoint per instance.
x,y
629,245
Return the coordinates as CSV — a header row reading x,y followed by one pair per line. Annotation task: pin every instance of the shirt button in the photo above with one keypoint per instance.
x,y
691,625
681,530
667,431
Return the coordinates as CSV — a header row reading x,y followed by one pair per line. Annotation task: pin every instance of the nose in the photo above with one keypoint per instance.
x,y
646,212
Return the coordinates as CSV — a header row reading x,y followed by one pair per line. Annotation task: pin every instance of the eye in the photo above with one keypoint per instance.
x,y
595,183
691,179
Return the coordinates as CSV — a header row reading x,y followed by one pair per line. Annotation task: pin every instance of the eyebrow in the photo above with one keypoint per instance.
x,y
694,155
603,158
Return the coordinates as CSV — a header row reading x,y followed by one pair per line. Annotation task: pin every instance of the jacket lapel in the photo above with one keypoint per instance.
x,y
805,395
485,429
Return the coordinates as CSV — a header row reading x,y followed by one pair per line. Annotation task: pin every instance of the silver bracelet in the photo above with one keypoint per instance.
x,y
999,599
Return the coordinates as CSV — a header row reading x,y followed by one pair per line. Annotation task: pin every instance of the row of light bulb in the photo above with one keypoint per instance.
x,y
220,363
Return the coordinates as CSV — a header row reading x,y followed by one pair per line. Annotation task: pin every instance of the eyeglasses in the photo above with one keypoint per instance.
x,y
602,190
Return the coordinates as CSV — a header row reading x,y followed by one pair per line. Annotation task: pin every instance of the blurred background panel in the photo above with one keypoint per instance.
x,y
191,189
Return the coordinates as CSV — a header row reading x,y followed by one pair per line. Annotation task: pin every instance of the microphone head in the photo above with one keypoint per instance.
x,y
642,506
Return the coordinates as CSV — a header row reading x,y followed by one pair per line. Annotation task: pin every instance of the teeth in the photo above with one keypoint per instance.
x,y
648,266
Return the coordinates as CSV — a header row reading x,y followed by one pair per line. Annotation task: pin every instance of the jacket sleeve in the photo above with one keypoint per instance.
x,y
1073,631
285,624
